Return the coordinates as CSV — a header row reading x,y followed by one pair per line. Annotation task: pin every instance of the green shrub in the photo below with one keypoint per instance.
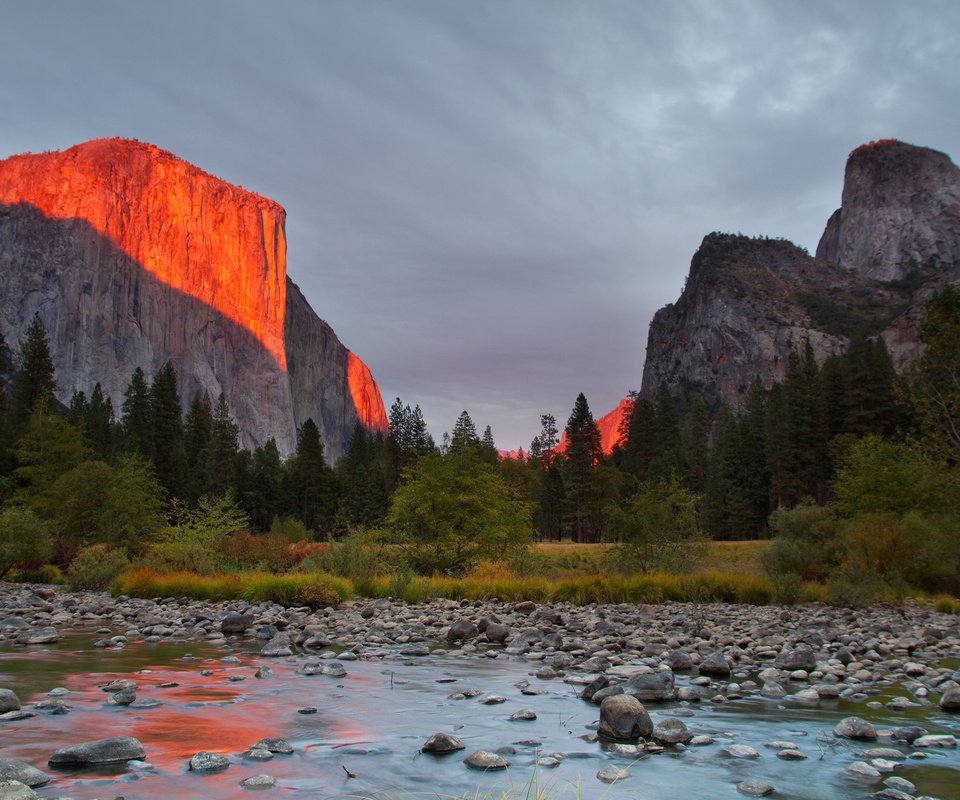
x,y
96,566
25,542
356,557
947,605
804,544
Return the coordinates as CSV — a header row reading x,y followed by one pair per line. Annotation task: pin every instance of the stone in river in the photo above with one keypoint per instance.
x,y
612,774
483,759
8,701
863,770
442,742
13,770
274,745
936,740
855,728
523,714
278,646
38,636
742,751
950,701
205,761
236,623
259,782
462,630
658,686
754,788
801,658
714,664
15,790
114,750
624,717
671,731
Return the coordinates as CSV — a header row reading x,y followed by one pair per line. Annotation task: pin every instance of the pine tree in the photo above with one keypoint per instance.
x,y
33,383
695,439
581,458
98,424
197,443
169,460
224,446
640,446
313,481
263,496
464,434
136,422
488,450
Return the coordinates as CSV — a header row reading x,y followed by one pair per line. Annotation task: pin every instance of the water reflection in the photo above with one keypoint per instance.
x,y
372,722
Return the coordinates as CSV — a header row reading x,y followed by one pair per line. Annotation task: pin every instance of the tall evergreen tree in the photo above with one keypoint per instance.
x,y
488,450
581,458
640,444
464,434
169,459
98,424
197,443
363,499
33,382
262,497
313,481
696,441
549,492
136,418
224,446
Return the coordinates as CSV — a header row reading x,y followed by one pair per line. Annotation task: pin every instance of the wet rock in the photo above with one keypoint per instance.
x,y
485,760
892,794
863,770
236,623
497,633
206,761
855,728
258,754
741,751
277,647
714,664
13,770
950,700
612,774
678,661
900,784
800,659
15,790
273,745
755,788
492,699
523,714
38,636
791,755
334,669
936,740
598,683
259,782
624,717
650,686
122,698
114,750
8,701
52,706
462,630
442,742
671,731
14,716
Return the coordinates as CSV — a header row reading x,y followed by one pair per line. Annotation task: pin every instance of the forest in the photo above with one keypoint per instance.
x,y
848,467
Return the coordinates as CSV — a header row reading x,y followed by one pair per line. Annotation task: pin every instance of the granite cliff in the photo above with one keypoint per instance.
x,y
748,302
133,257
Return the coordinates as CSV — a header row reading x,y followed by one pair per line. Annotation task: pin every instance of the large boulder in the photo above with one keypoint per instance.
x,y
855,728
624,717
442,742
8,701
647,686
801,658
13,770
114,750
462,630
236,623
715,664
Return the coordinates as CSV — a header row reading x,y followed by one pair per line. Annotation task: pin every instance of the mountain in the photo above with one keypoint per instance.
x,y
748,302
133,257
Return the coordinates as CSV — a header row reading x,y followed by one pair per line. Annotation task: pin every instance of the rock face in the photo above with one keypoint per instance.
x,y
749,302
133,257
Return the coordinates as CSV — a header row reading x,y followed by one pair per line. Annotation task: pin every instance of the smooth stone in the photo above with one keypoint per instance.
x,y
523,714
101,751
950,700
741,751
863,770
900,784
791,755
258,782
624,717
714,664
650,686
8,701
274,745
15,790
493,699
700,741
14,716
483,759
612,774
442,742
13,770
258,754
755,788
205,761
882,752
671,731
855,728
38,636
936,740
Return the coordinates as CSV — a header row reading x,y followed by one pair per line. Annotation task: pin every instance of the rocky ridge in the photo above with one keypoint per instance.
x,y
133,257
749,302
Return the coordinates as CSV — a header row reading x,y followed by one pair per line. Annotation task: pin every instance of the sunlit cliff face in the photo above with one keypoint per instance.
x,y
197,234
366,395
609,425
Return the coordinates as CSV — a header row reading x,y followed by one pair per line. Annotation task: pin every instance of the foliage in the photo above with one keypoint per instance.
x,y
453,511
659,530
33,383
25,542
96,566
579,470
804,542
356,557
195,539
245,550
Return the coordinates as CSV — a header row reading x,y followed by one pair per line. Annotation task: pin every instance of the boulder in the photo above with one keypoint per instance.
x,y
714,664
114,750
205,761
442,742
624,717
8,701
483,759
801,658
657,686
462,630
855,728
13,770
236,623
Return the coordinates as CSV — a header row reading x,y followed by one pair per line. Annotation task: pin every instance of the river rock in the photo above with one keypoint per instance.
x,y
855,728
8,701
624,717
236,623
462,630
15,790
936,740
259,782
801,658
442,742
273,745
678,661
483,759
650,686
277,647
612,774
671,731
497,633
741,751
205,761
714,664
755,788
38,636
13,770
900,784
863,770
950,701
523,714
101,751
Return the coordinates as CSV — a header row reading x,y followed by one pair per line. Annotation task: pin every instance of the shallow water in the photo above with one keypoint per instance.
x,y
373,721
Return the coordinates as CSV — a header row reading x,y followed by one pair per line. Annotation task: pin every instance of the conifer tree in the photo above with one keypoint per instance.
x,y
136,421
581,458
549,492
488,450
263,495
197,444
464,434
695,440
640,445
33,382
313,481
169,460
224,447
98,424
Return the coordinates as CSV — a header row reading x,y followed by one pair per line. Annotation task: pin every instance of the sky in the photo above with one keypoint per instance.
x,y
488,201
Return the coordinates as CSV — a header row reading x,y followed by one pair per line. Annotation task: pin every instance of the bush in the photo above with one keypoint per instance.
x,y
96,566
25,542
947,605
804,542
355,557
260,551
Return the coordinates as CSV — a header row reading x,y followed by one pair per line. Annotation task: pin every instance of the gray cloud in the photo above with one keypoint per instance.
x,y
488,201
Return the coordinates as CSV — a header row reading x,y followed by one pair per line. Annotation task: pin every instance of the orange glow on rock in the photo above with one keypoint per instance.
x,y
204,237
609,425
366,395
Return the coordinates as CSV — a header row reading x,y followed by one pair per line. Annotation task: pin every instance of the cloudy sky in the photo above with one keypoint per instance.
x,y
489,200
